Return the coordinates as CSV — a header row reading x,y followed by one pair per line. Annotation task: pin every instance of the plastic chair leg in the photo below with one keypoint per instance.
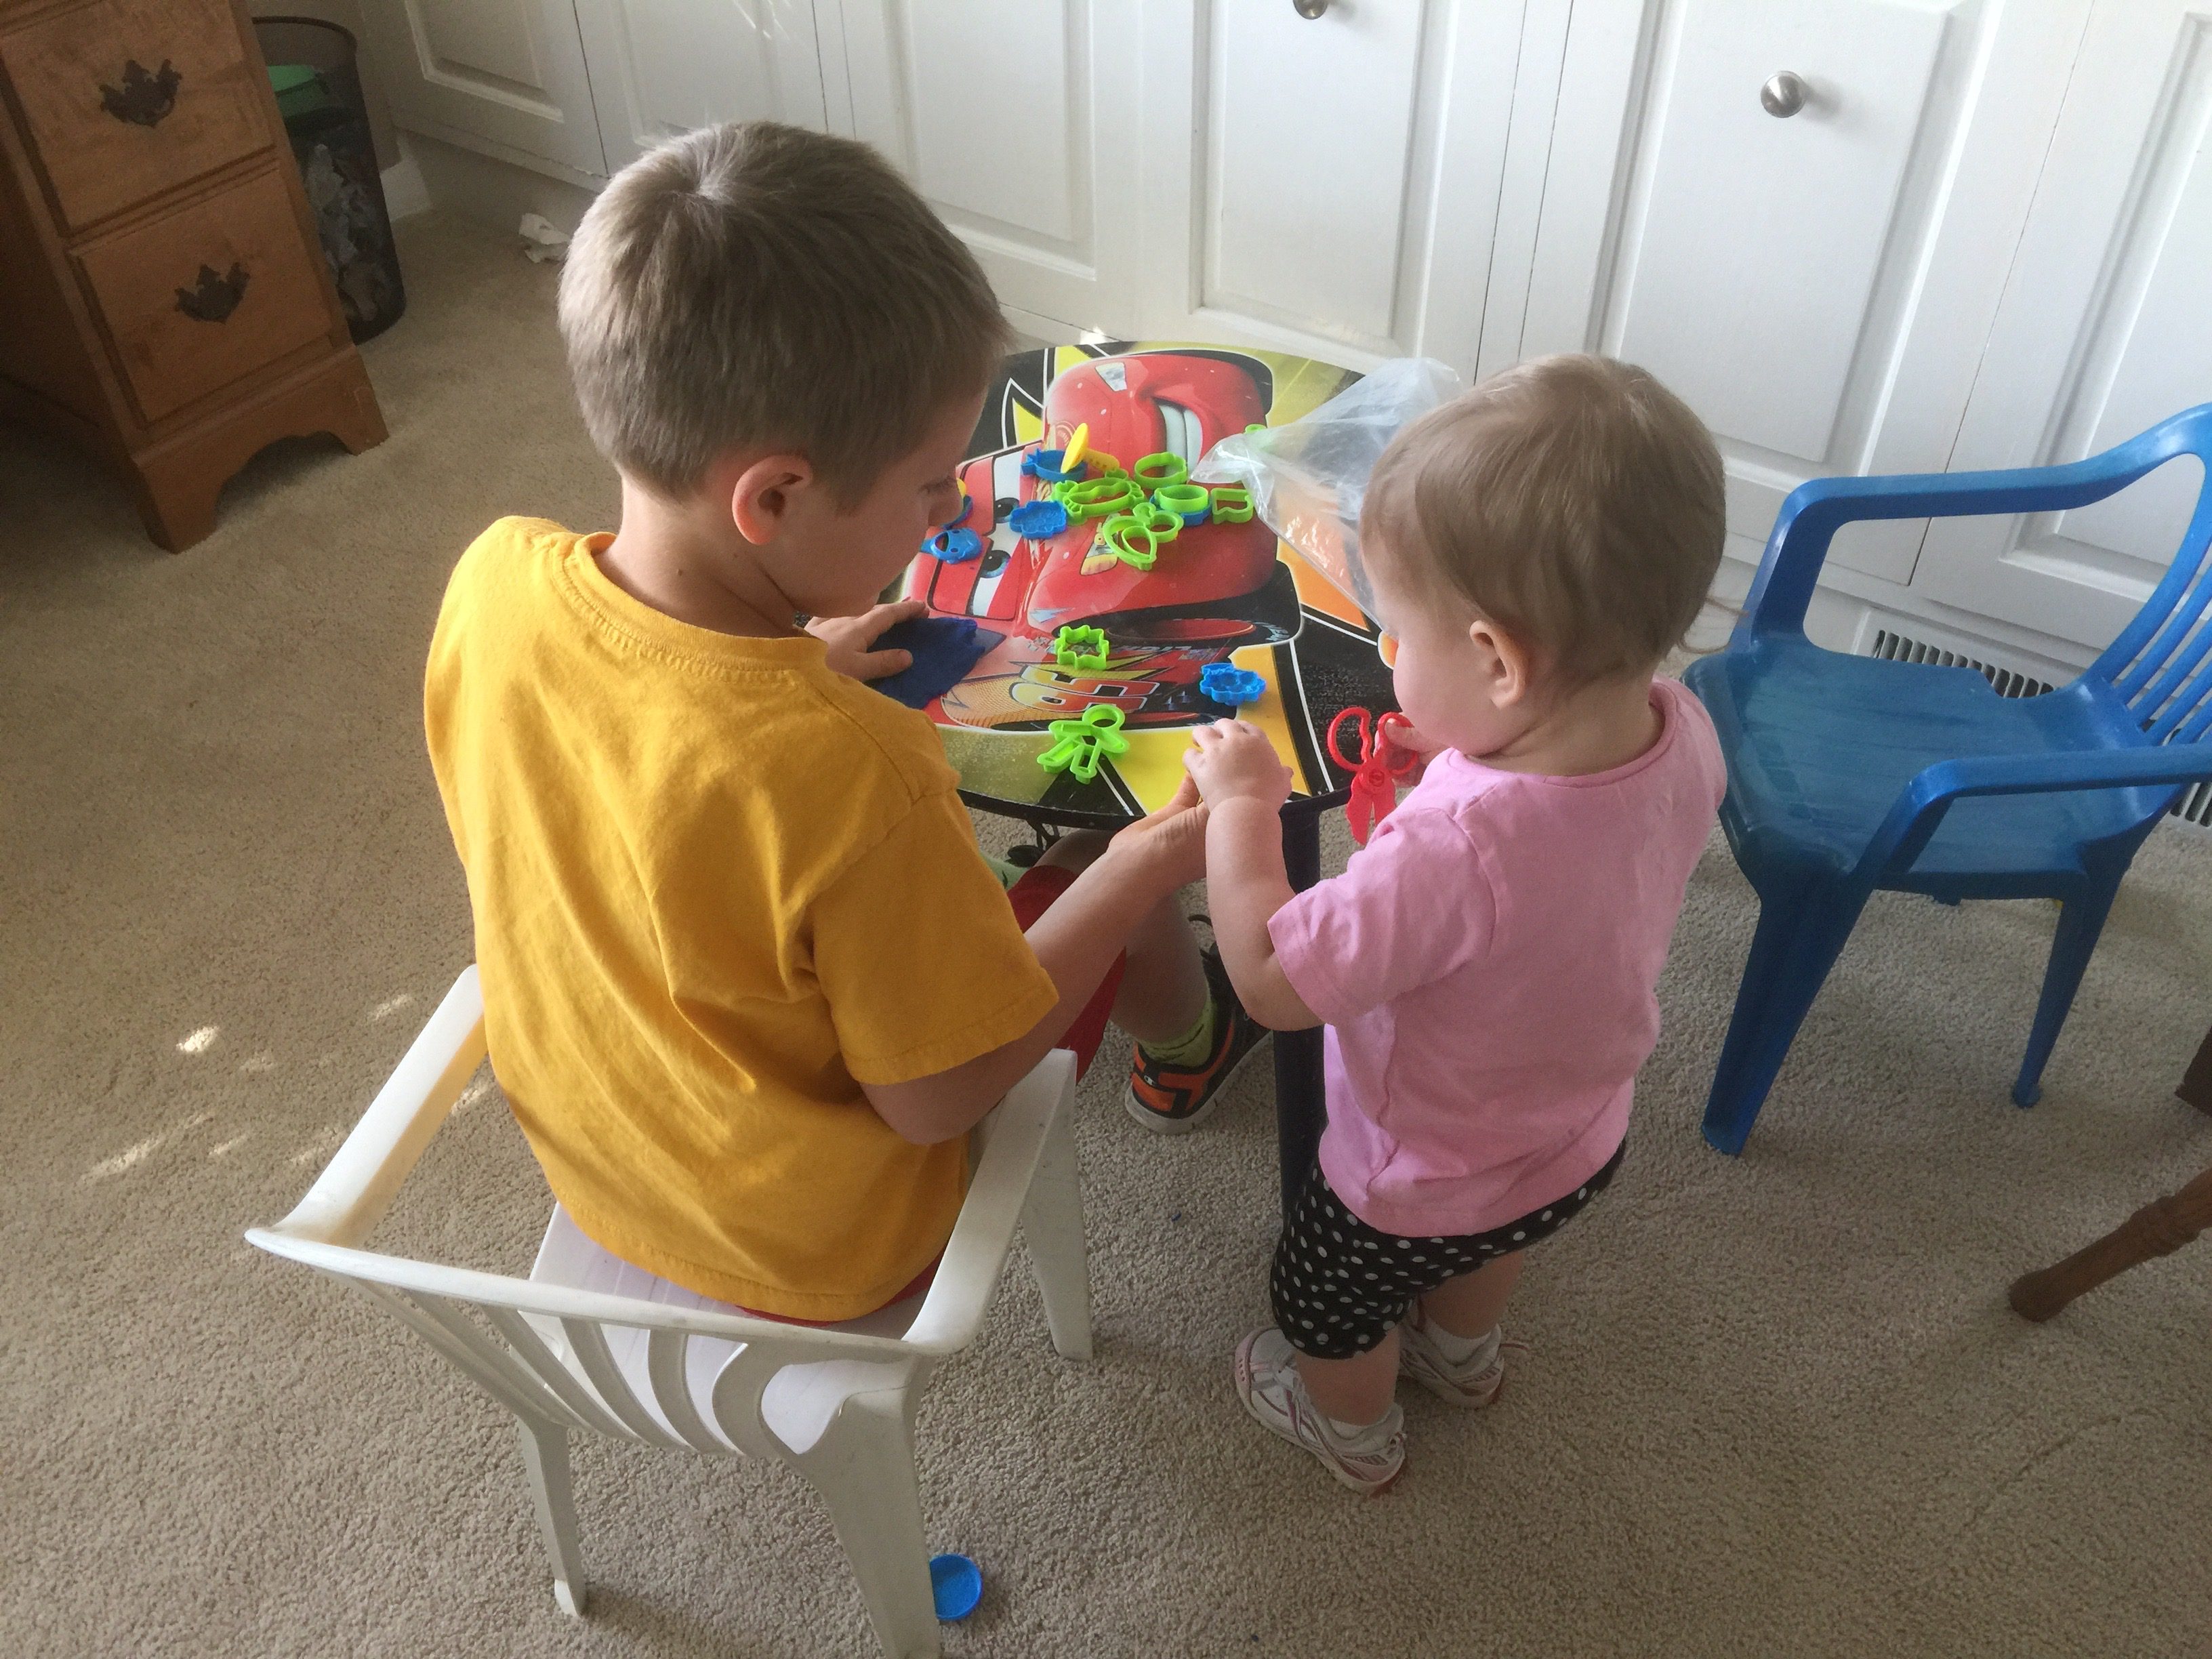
x,y
863,1467
1796,946
2080,921
546,1460
1052,1222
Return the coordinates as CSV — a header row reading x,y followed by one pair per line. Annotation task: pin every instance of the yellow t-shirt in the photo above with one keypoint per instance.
x,y
716,885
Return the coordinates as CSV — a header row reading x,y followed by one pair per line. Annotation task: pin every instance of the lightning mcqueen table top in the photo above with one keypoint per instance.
x,y
1218,593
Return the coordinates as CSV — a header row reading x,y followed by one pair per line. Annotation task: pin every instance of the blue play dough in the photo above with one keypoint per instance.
x,y
956,1583
1037,520
944,648
1230,685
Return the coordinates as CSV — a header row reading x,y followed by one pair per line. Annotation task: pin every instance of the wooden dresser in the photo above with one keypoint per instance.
x,y
163,300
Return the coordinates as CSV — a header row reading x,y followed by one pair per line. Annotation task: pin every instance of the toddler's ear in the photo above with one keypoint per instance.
x,y
1504,665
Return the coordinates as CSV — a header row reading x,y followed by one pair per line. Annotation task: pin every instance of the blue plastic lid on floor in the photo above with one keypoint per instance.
x,y
956,1583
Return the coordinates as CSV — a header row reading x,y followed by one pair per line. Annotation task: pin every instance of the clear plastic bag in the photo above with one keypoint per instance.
x,y
1309,477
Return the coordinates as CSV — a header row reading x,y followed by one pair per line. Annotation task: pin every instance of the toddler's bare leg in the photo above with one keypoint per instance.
x,y
1356,1390
1470,1304
1163,992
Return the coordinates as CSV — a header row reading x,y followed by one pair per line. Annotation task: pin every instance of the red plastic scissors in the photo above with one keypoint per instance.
x,y
1376,773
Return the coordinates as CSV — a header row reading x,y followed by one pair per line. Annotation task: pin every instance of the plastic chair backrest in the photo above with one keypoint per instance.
x,y
544,1351
2160,664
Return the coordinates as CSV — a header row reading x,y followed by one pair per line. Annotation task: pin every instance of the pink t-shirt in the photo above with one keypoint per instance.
x,y
1486,967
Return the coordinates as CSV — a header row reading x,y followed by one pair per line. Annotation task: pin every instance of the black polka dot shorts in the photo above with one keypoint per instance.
x,y
1338,1287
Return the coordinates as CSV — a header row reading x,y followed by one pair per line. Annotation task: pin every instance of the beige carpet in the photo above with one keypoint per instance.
x,y
1773,1406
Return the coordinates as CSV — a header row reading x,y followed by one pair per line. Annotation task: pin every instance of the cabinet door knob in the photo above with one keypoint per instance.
x,y
213,297
1308,9
1784,95
143,99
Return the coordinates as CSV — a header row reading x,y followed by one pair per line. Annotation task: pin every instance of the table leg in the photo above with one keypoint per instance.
x,y
1301,1107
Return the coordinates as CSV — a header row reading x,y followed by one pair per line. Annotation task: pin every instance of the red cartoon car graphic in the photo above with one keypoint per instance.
x,y
1215,589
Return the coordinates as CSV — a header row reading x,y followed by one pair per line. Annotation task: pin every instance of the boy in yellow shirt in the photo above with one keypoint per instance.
x,y
748,979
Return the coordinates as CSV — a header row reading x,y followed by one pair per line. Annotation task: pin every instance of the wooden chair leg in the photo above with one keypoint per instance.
x,y
2196,1085
2157,1228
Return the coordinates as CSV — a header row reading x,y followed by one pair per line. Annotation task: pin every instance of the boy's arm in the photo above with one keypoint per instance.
x,y
1076,942
1244,785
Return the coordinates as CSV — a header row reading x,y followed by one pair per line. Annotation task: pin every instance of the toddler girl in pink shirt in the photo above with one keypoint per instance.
x,y
1486,965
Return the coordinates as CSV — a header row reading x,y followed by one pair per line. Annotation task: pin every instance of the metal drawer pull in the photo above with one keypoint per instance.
x,y
214,297
1784,95
143,99
1309,9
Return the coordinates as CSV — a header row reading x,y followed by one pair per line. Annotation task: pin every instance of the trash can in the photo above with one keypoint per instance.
x,y
312,69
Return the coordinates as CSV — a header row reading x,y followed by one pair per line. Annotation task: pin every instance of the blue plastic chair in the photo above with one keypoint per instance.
x,y
1850,773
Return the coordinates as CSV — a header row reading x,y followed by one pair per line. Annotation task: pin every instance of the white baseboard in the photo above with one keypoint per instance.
x,y
492,192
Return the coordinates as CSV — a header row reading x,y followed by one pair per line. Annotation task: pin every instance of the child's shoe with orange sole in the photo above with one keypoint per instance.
x,y
1170,1099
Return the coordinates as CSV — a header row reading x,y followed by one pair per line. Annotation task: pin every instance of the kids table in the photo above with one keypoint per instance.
x,y
1220,592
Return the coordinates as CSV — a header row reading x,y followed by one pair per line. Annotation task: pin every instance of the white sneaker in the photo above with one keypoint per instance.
x,y
1269,1383
1473,1383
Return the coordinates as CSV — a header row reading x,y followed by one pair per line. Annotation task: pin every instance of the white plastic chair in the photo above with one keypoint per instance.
x,y
588,1341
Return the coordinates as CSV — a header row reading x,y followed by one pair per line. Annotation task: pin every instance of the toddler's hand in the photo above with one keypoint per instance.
x,y
1411,738
851,639
1232,759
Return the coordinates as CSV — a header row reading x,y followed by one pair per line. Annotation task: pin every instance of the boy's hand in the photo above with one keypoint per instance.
x,y
1171,842
1232,759
851,639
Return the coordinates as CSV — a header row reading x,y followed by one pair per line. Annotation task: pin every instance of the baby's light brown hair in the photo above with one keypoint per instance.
x,y
759,285
1573,500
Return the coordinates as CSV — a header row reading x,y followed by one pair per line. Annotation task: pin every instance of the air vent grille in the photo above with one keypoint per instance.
x,y
2196,804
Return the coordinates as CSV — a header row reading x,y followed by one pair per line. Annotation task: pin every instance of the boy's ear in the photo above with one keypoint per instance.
x,y
764,494
1508,665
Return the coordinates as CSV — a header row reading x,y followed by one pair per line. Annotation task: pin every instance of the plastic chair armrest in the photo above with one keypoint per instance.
x,y
1814,511
797,1344
1920,806
356,1187
975,1255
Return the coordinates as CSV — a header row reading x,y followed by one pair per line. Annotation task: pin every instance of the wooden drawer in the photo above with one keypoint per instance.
x,y
125,99
193,299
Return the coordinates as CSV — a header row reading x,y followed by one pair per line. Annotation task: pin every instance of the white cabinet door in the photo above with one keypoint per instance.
x,y
660,67
2106,329
1017,120
1325,185
502,75
1817,284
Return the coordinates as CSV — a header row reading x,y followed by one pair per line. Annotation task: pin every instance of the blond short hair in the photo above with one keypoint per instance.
x,y
1573,500
755,284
